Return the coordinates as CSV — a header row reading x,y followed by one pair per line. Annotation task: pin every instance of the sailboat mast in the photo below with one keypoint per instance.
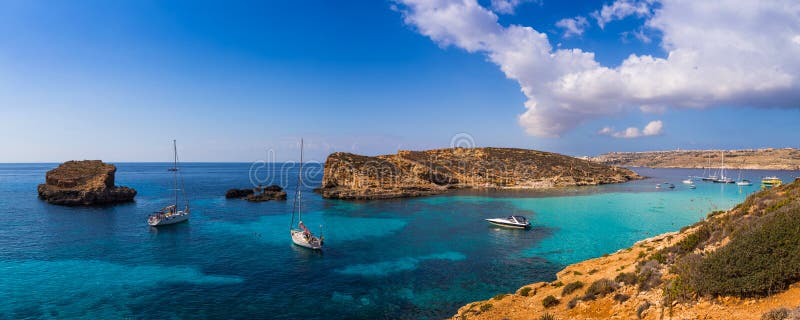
x,y
722,171
175,170
299,178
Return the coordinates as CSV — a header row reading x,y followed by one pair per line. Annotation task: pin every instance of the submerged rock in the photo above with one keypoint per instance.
x,y
83,183
259,194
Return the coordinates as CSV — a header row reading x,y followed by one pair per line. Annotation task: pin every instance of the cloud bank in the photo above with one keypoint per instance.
x,y
718,53
653,128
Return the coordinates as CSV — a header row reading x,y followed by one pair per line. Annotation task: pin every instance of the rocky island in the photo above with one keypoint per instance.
x,y
83,183
738,264
258,194
419,173
766,159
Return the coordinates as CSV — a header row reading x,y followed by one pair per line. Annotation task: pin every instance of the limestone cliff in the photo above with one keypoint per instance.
x,y
739,264
767,159
84,182
417,173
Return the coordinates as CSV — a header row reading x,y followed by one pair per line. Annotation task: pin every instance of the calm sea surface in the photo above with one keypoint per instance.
x,y
409,258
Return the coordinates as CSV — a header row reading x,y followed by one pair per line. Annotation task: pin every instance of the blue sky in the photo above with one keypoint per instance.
x,y
118,80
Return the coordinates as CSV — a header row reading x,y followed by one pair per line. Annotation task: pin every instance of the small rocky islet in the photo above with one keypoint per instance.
x,y
83,183
421,173
257,194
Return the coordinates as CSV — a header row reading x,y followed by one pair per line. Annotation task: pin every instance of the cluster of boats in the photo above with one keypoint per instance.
x,y
718,176
171,214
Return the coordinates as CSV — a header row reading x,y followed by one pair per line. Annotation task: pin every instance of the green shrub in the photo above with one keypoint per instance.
x,y
557,284
547,316
499,296
693,240
593,271
526,291
600,288
642,308
629,278
577,273
757,262
574,302
676,290
550,301
570,288
776,314
648,275
620,297
486,307
658,256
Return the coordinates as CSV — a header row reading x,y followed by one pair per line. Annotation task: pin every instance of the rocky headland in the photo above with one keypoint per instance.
x,y
83,183
766,159
738,264
420,173
258,194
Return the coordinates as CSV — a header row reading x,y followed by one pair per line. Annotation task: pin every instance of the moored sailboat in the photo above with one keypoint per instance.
x,y
301,236
171,214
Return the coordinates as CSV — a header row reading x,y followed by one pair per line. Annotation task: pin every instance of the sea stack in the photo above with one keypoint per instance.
x,y
420,173
83,183
258,194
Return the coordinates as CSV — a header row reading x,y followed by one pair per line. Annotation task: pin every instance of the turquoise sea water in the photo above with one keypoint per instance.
x,y
405,258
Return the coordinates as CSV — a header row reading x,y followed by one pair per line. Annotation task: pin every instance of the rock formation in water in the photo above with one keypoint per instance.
x,y
419,173
740,264
767,159
83,183
258,194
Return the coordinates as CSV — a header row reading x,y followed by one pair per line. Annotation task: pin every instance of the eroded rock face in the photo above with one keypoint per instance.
x,y
419,173
83,183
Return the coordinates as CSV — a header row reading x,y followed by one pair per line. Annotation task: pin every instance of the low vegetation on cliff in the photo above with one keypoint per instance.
x,y
418,173
738,264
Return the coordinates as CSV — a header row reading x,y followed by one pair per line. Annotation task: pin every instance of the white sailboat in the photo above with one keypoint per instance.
x,y
170,214
722,177
301,236
743,182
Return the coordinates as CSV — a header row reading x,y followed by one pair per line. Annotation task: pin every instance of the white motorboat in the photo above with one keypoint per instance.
x,y
301,236
688,181
518,222
170,214
692,186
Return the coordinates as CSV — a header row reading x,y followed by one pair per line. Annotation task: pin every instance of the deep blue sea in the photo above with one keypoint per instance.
x,y
408,258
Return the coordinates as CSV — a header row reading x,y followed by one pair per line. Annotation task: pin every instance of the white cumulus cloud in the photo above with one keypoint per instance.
x,y
573,26
653,128
507,6
718,53
621,9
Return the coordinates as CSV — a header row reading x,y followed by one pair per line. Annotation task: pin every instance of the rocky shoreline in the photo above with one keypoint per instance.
x,y
421,173
257,194
83,183
679,275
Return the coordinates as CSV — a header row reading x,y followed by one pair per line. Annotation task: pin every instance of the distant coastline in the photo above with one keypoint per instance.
x,y
757,159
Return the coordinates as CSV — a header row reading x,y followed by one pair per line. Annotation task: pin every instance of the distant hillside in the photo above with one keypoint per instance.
x,y
773,159
739,264
418,173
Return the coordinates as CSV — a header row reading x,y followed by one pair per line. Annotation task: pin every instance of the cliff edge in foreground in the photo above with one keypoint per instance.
x,y
86,182
739,264
418,173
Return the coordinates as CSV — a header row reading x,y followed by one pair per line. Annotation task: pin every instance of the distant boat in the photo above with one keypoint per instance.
x,y
170,214
517,222
743,182
688,181
658,186
669,185
301,236
770,182
722,178
707,176
692,186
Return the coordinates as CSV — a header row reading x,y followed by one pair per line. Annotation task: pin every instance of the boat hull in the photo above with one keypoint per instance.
x,y
298,238
167,220
503,223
